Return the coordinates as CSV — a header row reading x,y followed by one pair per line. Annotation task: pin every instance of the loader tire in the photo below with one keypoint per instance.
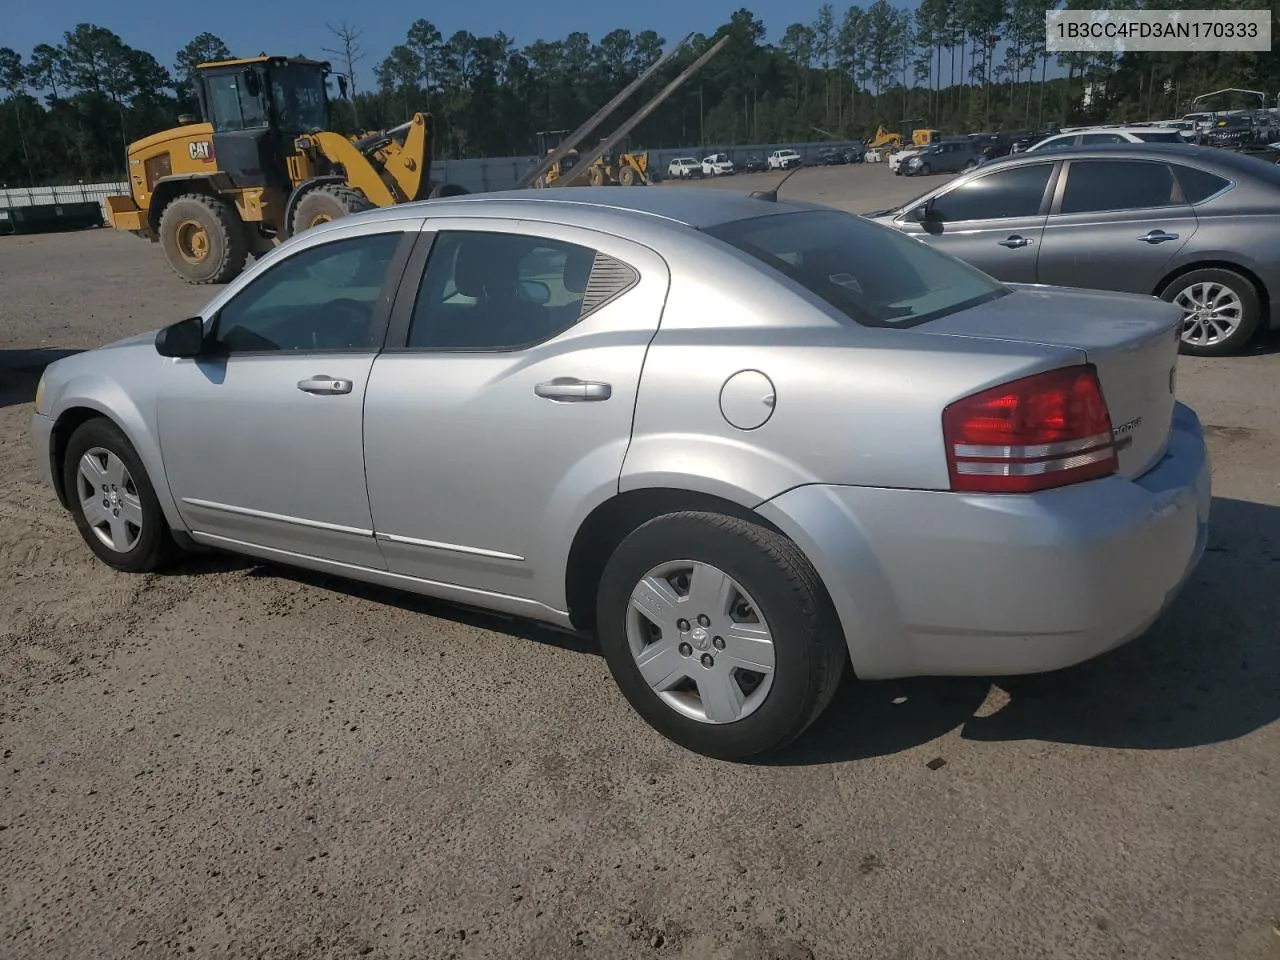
x,y
628,176
329,201
595,176
455,190
203,238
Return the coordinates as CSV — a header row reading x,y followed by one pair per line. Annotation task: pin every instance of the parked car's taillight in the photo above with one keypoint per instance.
x,y
1043,431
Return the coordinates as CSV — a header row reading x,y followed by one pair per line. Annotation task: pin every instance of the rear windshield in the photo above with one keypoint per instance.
x,y
874,275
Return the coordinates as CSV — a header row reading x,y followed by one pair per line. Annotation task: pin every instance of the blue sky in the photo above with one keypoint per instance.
x,y
161,27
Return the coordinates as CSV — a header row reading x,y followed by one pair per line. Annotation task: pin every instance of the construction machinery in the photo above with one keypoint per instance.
x,y
911,132
611,162
263,165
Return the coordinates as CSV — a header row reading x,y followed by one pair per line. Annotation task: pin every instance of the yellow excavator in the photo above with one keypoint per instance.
x,y
262,166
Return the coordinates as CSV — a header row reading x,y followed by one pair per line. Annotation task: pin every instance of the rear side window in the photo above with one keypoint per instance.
x,y
1094,186
1009,193
873,275
1197,184
1162,136
500,291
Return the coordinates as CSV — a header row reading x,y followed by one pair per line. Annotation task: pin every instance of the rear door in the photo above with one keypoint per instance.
x,y
1114,225
500,412
993,221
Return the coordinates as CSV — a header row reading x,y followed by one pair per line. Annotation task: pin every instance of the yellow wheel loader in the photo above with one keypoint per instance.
x,y
263,166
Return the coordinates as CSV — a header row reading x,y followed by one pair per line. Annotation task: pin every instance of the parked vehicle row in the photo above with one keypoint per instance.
x,y
1197,226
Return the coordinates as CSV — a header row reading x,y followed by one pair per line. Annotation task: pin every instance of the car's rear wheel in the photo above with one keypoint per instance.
x,y
719,633
1221,310
112,499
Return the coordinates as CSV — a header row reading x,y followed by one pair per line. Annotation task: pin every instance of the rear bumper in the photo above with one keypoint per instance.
x,y
936,583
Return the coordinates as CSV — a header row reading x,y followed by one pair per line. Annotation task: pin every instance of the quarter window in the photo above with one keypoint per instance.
x,y
321,298
499,291
1008,193
1097,185
1198,184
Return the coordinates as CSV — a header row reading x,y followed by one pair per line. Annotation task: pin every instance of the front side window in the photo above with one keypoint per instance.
x,y
501,291
1094,186
873,275
1057,143
232,106
321,298
1001,195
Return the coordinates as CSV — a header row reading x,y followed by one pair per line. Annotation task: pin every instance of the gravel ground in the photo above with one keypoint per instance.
x,y
237,760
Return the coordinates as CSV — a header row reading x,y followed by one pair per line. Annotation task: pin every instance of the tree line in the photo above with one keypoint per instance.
x,y
70,108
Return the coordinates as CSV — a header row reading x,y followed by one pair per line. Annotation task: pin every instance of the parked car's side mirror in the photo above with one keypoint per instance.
x,y
921,213
182,339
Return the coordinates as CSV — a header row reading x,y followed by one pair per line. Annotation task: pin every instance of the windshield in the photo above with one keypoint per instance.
x,y
298,95
1164,136
231,106
874,275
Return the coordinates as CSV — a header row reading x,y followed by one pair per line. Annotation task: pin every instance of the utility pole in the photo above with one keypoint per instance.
x,y
350,53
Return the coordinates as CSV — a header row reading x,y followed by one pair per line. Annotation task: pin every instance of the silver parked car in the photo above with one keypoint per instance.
x,y
748,443
1197,226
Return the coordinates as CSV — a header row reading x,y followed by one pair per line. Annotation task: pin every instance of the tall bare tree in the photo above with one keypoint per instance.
x,y
350,53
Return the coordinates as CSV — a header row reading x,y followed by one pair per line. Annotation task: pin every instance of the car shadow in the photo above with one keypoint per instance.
x,y
1207,671
20,371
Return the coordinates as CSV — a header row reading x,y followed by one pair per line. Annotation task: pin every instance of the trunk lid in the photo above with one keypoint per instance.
x,y
1132,340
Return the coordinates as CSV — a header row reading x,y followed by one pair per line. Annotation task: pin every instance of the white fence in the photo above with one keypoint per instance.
x,y
35,196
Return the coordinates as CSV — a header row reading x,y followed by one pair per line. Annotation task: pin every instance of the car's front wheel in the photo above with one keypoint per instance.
x,y
1221,310
114,503
719,633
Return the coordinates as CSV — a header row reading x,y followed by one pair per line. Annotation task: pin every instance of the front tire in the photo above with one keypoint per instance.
x,y
112,499
203,238
1221,310
719,633
328,201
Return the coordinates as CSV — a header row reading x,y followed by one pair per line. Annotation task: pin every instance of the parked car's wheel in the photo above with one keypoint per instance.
x,y
925,170
114,503
1221,310
719,633
970,165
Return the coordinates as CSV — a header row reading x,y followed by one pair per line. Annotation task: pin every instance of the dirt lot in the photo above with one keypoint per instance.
x,y
240,761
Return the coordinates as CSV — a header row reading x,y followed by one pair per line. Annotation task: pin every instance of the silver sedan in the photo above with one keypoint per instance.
x,y
749,444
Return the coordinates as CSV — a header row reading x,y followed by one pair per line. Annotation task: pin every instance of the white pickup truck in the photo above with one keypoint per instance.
x,y
784,160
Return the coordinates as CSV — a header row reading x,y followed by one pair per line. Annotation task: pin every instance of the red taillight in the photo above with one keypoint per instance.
x,y
1042,431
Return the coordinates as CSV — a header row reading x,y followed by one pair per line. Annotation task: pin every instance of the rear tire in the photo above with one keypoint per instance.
x,y
771,608
328,201
1221,310
627,176
203,239
112,499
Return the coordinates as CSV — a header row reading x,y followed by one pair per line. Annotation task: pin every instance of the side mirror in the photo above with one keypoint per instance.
x,y
182,339
342,86
922,213
252,85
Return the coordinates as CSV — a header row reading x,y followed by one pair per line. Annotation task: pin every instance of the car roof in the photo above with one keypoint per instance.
x,y
593,207
1134,151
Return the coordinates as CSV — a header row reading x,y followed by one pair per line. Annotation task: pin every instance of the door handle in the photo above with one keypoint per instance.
x,y
1015,241
573,390
324,385
1157,236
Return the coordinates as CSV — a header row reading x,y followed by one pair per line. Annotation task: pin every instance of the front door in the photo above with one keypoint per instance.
x,y
508,411
993,221
262,437
1116,227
